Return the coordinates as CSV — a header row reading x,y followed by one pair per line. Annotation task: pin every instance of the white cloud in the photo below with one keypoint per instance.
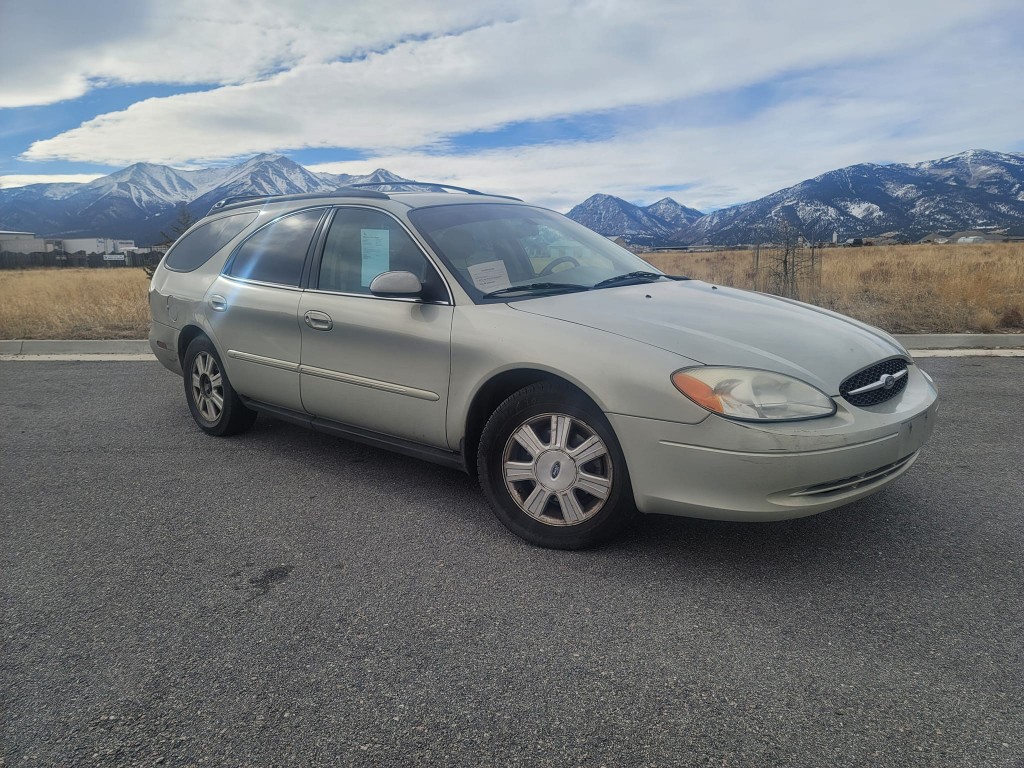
x,y
63,49
23,180
812,86
823,121
562,59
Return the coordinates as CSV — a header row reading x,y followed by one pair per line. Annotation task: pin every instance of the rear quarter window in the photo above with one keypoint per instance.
x,y
195,248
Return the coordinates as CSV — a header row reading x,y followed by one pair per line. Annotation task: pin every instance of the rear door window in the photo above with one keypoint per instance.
x,y
195,248
276,253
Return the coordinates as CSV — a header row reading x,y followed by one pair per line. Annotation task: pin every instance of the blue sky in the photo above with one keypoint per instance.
x,y
711,103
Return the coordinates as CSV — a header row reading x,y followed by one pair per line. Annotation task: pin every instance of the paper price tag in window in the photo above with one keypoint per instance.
x,y
376,249
489,276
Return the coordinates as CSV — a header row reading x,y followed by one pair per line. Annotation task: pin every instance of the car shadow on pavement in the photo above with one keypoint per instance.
x,y
452,502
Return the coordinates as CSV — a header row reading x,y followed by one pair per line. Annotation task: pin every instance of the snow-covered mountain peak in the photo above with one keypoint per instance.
x,y
610,215
673,213
383,176
141,199
962,191
969,189
264,158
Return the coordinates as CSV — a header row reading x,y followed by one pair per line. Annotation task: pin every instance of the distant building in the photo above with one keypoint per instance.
x,y
562,249
618,240
84,245
102,245
29,242
977,236
23,242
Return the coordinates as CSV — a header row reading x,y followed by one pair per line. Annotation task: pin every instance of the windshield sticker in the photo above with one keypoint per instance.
x,y
376,249
489,276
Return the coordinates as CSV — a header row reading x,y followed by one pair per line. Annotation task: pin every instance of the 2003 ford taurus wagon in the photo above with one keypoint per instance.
x,y
576,381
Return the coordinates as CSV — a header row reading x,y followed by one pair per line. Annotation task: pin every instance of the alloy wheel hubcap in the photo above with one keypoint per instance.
x,y
207,387
557,470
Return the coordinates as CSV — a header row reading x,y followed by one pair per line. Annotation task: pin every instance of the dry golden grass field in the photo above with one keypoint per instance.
x,y
74,304
928,288
901,288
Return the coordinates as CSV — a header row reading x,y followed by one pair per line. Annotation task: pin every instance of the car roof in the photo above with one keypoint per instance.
x,y
348,194
424,199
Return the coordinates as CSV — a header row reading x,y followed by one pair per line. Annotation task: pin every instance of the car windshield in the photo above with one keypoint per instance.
x,y
505,252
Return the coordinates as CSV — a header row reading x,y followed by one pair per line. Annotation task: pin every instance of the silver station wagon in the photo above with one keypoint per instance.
x,y
577,382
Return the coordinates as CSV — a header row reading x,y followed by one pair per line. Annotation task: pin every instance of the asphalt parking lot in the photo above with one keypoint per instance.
x,y
287,598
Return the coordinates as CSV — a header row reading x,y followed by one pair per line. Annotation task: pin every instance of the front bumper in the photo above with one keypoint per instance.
x,y
726,470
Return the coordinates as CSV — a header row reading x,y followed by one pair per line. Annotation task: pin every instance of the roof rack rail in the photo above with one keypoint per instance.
x,y
432,185
232,200
236,201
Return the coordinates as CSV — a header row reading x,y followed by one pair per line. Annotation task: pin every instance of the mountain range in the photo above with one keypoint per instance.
x,y
974,189
142,200
650,225
970,190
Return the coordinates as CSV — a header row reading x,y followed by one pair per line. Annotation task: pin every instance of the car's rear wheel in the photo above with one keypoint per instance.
x,y
552,469
214,404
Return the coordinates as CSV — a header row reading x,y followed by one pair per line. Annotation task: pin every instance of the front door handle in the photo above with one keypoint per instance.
x,y
318,321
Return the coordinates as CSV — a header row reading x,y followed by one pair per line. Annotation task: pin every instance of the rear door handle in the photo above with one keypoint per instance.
x,y
318,321
218,303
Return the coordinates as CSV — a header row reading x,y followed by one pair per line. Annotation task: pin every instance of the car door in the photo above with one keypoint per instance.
x,y
380,364
253,309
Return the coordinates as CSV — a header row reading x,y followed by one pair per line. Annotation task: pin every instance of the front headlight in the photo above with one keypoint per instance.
x,y
751,395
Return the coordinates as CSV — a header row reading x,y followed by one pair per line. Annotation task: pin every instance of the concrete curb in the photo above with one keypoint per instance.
x,y
961,340
69,347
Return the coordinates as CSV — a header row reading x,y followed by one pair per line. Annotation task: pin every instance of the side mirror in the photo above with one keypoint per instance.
x,y
396,285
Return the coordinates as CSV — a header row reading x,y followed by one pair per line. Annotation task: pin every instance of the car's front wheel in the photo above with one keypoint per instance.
x,y
552,469
214,404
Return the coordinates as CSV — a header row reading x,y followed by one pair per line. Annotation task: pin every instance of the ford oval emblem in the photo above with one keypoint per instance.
x,y
556,468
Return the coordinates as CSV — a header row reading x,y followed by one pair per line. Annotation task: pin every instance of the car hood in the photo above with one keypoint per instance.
x,y
714,325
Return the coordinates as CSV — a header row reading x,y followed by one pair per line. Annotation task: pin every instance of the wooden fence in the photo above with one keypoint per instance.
x,y
9,260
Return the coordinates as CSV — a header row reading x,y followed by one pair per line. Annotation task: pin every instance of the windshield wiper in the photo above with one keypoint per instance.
x,y
532,287
629,277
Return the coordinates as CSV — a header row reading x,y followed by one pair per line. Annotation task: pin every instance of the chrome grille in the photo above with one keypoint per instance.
x,y
876,384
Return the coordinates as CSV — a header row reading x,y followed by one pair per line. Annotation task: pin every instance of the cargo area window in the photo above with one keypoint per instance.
x,y
276,253
197,247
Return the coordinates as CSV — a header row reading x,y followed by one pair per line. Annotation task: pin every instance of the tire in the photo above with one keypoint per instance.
x,y
552,469
214,404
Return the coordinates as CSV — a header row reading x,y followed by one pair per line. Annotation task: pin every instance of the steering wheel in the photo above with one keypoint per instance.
x,y
552,264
